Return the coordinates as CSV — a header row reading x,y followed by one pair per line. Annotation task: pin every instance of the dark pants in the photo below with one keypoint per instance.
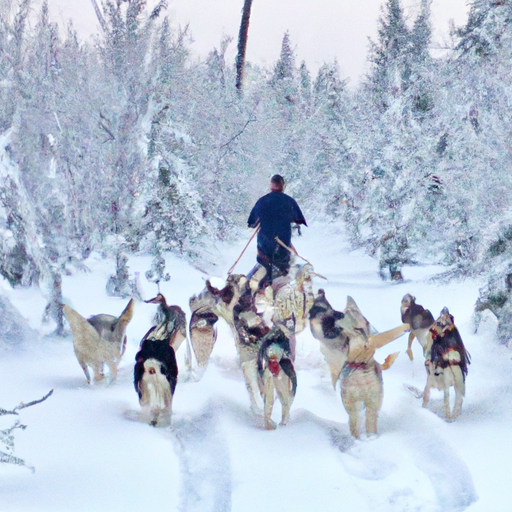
x,y
276,265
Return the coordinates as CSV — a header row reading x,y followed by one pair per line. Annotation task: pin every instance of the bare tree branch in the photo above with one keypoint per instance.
x,y
250,120
23,405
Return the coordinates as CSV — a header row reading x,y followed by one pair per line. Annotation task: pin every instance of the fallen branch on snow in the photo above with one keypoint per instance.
x,y
23,405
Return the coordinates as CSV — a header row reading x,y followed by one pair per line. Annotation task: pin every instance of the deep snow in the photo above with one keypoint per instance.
x,y
92,453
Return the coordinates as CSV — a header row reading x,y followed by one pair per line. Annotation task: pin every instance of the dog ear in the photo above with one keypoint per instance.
x,y
353,311
83,331
125,316
214,291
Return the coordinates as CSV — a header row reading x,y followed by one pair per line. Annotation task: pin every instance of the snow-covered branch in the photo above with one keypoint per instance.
x,y
7,435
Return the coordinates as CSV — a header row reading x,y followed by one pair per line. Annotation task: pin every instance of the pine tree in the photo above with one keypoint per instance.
x,y
487,29
284,76
396,130
389,72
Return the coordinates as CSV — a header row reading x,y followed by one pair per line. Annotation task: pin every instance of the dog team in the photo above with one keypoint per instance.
x,y
264,323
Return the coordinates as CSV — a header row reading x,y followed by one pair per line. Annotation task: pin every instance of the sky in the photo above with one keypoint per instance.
x,y
320,31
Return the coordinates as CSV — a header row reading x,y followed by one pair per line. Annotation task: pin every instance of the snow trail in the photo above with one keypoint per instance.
x,y
205,462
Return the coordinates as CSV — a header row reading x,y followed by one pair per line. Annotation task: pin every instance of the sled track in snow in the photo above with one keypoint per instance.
x,y
448,473
205,463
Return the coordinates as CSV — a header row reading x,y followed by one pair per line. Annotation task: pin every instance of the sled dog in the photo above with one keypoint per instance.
x,y
155,374
349,347
203,333
172,318
98,341
420,320
295,298
447,363
235,303
276,373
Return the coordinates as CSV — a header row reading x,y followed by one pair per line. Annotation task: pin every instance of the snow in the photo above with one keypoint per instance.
x,y
91,451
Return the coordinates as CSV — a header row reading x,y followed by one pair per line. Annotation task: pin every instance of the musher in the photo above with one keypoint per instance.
x,y
274,213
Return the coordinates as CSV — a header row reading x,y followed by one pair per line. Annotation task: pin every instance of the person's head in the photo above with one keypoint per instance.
x,y
277,183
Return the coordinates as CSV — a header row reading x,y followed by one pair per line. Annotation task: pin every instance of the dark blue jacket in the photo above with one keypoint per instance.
x,y
275,212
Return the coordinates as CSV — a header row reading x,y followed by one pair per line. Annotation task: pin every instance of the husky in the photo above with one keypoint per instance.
x,y
236,305
447,363
172,318
349,346
203,332
276,373
333,342
296,298
420,320
99,340
155,374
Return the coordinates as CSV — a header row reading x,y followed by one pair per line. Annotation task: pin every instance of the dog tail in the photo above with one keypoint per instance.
x,y
155,389
389,360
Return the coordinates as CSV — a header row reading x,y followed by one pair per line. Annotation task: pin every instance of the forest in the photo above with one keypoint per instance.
x,y
128,144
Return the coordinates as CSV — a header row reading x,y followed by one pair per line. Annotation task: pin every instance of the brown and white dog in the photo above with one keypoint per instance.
x,y
234,303
203,332
420,320
295,298
172,319
447,363
99,341
156,373
348,347
277,374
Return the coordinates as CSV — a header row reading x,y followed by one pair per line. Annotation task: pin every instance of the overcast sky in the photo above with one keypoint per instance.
x,y
320,30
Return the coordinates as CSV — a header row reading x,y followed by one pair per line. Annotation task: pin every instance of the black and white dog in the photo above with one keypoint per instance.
x,y
276,373
155,374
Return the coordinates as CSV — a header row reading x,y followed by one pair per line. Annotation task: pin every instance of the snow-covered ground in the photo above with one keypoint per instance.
x,y
92,453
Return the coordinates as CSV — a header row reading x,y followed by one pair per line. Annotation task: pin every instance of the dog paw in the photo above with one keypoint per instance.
x,y
270,425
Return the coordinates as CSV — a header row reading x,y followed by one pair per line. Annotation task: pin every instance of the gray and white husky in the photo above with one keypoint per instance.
x,y
99,341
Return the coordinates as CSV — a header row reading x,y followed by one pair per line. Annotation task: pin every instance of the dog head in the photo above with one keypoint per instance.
x,y
236,285
405,307
305,274
414,314
320,307
159,299
323,318
110,328
443,325
327,323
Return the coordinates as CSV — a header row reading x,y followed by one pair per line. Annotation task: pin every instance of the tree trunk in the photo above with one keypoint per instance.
x,y
242,43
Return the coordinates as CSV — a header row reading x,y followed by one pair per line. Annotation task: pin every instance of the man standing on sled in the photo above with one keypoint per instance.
x,y
274,214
